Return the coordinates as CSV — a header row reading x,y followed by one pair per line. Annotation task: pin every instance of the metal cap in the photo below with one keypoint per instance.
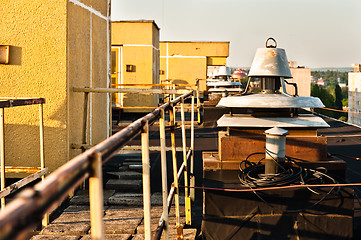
x,y
276,131
270,62
270,101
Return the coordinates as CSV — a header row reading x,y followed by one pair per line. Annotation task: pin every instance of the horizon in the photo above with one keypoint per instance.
x,y
315,34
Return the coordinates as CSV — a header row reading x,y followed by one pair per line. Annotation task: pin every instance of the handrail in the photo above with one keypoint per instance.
x,y
23,214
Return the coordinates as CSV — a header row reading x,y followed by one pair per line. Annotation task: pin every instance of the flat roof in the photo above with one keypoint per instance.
x,y
138,21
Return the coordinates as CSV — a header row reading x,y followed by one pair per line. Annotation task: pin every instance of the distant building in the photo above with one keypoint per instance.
x,y
320,82
301,76
239,73
184,62
354,95
135,60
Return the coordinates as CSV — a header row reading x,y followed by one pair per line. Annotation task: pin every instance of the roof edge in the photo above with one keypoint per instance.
x,y
138,21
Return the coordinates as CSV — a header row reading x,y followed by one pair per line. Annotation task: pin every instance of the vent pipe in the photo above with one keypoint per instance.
x,y
275,149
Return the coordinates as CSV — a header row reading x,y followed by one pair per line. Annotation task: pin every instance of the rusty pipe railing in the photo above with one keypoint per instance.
x,y
24,213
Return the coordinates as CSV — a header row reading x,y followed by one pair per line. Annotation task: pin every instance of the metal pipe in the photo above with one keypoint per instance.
x,y
21,102
26,211
131,90
186,170
2,153
192,179
96,197
146,182
198,103
158,232
275,149
175,177
163,155
45,221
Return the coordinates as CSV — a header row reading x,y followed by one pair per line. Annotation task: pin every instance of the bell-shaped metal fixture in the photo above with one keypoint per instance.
x,y
270,62
271,66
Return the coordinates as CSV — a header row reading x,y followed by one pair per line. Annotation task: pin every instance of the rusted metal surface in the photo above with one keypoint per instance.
x,y
19,218
130,90
19,184
20,102
10,169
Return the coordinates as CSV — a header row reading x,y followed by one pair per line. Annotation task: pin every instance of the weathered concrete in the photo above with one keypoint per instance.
x,y
124,184
110,237
125,175
55,237
82,197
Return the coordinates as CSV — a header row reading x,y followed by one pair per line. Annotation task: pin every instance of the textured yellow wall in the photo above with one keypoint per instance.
x,y
43,63
87,60
184,62
37,69
139,41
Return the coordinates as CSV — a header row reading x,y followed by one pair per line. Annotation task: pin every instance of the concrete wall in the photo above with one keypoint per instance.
x,y
184,62
354,97
54,47
138,44
301,76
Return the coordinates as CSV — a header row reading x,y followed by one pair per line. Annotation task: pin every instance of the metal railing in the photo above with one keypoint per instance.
x,y
24,213
35,172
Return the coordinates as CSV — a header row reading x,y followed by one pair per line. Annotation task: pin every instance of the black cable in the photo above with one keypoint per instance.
x,y
252,176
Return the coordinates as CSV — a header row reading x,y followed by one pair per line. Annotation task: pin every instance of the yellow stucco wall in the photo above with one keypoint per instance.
x,y
185,62
48,55
139,44
88,52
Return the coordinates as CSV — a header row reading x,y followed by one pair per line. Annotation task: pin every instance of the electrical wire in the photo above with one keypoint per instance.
x,y
290,173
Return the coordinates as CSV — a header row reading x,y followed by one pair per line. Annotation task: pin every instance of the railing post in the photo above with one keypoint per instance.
x,y
198,103
175,174
163,155
96,197
185,160
192,179
2,154
174,109
146,181
45,221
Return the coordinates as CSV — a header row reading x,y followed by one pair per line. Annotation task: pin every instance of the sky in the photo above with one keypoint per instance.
x,y
314,33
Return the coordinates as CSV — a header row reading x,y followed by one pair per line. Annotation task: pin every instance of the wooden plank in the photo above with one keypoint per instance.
x,y
237,148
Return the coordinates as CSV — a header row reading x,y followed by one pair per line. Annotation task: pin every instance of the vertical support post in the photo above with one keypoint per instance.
x,y
163,156
174,110
175,174
186,170
2,154
41,133
192,179
45,221
85,117
198,104
146,181
96,197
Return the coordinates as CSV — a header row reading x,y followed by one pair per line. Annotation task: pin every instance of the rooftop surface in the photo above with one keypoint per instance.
x,y
125,222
